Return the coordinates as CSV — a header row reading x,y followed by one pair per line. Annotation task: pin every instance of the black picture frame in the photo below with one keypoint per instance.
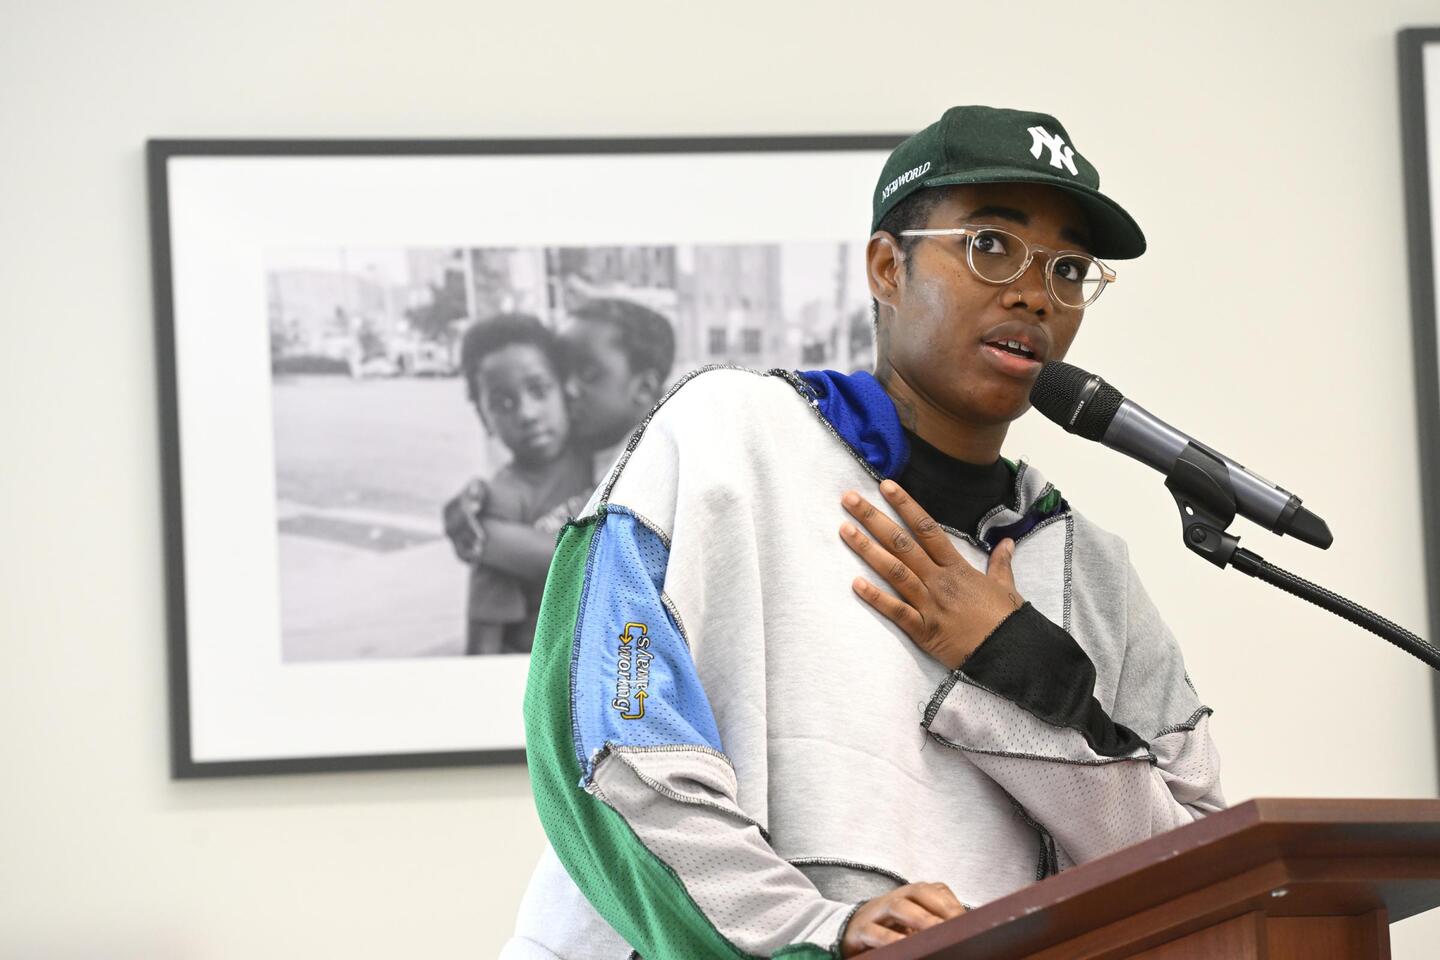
x,y
1419,144
161,154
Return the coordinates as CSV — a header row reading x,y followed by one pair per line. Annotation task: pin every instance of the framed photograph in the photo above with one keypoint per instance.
x,y
1419,57
389,371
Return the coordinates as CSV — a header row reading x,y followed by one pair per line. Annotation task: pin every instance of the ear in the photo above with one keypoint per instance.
x,y
884,267
484,421
645,388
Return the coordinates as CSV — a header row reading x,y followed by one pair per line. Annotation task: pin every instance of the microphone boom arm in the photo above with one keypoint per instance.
x,y
1203,492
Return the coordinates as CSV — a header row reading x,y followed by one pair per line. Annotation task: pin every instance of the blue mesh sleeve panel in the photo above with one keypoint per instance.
x,y
633,681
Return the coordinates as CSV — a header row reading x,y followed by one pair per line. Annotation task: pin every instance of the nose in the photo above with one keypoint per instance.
x,y
1030,288
529,410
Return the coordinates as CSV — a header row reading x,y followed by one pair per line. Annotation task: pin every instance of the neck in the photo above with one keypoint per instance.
x,y
946,431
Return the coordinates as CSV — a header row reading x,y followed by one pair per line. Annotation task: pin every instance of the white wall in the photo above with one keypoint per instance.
x,y
1258,144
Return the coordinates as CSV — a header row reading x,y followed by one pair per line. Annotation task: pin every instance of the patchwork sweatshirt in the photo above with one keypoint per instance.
x,y
730,751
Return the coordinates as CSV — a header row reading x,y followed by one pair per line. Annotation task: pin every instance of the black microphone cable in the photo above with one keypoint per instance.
x,y
1261,569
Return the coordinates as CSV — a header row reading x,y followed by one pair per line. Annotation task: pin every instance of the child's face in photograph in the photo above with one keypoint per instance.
x,y
602,387
522,402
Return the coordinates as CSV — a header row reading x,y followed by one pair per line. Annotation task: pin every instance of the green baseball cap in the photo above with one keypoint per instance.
x,y
975,144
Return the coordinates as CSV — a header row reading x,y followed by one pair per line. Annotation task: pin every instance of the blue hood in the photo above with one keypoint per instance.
x,y
864,416
860,410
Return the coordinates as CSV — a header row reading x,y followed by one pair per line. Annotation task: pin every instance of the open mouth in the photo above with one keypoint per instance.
x,y
1013,347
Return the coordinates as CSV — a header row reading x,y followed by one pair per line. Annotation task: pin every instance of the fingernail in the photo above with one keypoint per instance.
x,y
847,529
850,499
889,486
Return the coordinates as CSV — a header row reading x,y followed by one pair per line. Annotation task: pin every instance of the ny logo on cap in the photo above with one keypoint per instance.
x,y
1060,154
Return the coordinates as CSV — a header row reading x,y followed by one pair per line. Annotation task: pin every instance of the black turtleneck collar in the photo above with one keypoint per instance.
x,y
955,492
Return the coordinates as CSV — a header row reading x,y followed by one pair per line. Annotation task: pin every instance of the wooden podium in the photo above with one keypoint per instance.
x,y
1264,880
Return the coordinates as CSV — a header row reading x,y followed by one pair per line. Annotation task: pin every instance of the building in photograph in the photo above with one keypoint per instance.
x,y
729,306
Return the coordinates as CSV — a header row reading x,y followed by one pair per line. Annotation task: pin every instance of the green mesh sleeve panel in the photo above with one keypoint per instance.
x,y
636,893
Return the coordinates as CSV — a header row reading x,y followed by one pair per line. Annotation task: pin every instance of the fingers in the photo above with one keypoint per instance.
x,y
896,539
872,935
897,914
928,533
896,571
897,611
939,899
1002,560
907,916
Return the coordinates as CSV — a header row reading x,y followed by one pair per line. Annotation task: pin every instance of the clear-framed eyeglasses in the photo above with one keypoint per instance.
x,y
1072,278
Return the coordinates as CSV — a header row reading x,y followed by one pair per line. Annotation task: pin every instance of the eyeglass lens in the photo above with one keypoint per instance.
x,y
998,256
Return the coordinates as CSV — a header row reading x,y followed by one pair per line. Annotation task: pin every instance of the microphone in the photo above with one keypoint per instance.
x,y
1086,405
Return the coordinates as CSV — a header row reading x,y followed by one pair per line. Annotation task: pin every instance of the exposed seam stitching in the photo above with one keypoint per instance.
x,y
1148,758
969,538
851,864
1021,466
634,441
594,789
971,681
613,747
1013,504
645,522
675,614
812,400
577,522
933,707
1043,524
675,795
579,743
1186,725
840,932
664,597
1049,862
985,546
1028,533
1069,552
994,511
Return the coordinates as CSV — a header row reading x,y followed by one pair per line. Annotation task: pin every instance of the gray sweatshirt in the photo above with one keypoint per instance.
x,y
730,751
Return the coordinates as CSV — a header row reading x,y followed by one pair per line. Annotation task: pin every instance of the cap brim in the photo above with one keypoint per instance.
x,y
1114,234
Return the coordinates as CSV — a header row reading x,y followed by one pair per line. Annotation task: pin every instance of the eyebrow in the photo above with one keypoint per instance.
x,y
1020,217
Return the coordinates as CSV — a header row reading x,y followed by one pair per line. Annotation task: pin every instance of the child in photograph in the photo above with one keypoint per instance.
x,y
514,378
619,356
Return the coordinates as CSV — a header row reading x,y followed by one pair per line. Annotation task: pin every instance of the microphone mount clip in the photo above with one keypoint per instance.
x,y
1205,496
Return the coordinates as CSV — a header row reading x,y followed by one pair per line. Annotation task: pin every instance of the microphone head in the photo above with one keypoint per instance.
x,y
1076,399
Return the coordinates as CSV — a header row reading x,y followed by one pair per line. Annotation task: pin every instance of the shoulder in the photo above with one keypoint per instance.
x,y
1090,543
720,393
1101,547
717,406
712,426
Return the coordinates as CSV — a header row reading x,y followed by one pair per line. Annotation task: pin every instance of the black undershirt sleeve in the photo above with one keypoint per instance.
x,y
1027,659
1034,663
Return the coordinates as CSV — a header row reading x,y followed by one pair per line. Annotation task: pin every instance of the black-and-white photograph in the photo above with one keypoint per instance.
x,y
440,413
379,415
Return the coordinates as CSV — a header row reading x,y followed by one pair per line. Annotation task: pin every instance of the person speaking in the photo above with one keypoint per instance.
x,y
817,667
